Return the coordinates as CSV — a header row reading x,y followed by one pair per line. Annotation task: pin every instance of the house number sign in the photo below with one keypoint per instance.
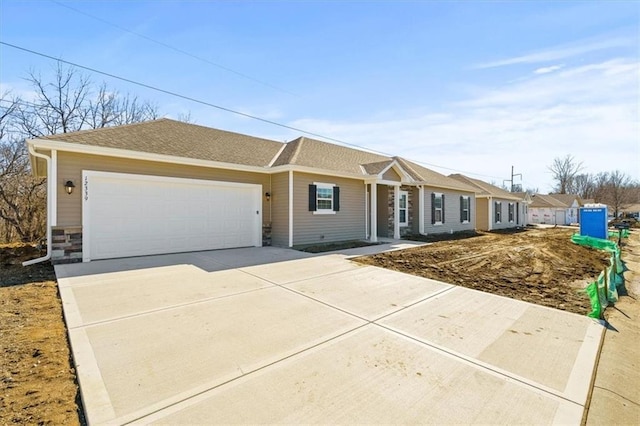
x,y
86,188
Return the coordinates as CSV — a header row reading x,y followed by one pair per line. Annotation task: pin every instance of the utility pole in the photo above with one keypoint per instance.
x,y
511,180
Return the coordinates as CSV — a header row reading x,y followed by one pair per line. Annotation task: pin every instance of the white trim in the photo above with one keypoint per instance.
x,y
145,156
290,208
396,213
366,212
490,215
468,208
421,213
86,200
406,208
404,176
54,192
324,185
275,157
390,182
442,210
47,160
374,211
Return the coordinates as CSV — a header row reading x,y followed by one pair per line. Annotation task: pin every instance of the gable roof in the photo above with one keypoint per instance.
x,y
545,201
567,199
430,177
184,140
486,189
176,138
313,153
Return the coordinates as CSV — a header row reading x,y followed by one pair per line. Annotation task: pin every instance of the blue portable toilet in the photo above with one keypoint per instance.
x,y
593,221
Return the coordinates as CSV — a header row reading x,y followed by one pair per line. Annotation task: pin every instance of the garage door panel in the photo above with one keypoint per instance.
x,y
131,215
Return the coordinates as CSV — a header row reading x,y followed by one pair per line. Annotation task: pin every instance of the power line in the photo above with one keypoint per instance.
x,y
175,49
209,104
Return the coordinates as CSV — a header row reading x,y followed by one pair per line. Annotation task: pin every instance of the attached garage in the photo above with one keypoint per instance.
x,y
127,215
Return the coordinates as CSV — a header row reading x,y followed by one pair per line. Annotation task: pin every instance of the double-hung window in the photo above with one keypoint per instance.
x,y
437,208
403,208
511,211
497,208
465,209
324,198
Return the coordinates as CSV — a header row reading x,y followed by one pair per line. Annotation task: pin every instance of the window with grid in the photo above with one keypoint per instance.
x,y
403,208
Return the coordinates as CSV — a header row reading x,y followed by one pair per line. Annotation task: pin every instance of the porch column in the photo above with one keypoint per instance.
x,y
491,213
396,212
421,210
373,210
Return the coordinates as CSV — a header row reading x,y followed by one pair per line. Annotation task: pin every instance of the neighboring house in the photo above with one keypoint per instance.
x,y
165,186
572,204
545,209
495,207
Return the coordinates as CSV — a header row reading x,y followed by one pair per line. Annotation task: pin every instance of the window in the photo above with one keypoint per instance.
x,y
437,208
465,209
497,208
324,198
511,211
403,209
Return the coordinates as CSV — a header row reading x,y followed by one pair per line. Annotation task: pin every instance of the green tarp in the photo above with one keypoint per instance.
x,y
605,289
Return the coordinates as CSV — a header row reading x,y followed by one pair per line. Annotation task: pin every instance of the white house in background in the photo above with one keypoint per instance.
x,y
572,204
544,209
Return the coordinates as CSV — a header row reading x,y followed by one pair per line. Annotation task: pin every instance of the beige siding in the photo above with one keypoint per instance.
x,y
391,174
482,214
280,209
382,215
347,224
71,165
451,212
415,209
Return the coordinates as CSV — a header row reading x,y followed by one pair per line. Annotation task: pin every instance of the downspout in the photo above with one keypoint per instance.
x,y
49,189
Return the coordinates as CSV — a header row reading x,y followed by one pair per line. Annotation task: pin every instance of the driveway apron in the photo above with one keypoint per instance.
x,y
268,335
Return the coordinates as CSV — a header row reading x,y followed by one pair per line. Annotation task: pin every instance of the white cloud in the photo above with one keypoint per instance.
x,y
588,111
562,52
546,70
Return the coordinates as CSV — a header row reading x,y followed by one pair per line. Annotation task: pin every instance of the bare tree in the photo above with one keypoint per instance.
x,y
564,170
59,106
532,191
618,190
584,185
65,104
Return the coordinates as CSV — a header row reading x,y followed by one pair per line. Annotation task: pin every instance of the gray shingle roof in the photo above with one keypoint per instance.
x,y
539,200
170,137
432,178
567,199
327,156
485,188
179,139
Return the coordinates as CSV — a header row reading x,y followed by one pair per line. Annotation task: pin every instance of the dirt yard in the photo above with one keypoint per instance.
x,y
540,266
37,382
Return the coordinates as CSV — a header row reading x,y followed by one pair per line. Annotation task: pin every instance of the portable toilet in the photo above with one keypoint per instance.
x,y
593,221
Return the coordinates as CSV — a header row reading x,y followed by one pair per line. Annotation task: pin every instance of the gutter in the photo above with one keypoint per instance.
x,y
49,189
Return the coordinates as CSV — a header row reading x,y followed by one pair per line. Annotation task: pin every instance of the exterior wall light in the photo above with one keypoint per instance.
x,y
268,196
68,186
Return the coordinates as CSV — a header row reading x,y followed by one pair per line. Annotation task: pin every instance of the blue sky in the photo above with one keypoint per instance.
x,y
472,87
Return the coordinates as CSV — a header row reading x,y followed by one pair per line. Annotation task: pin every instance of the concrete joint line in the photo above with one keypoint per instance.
x,y
491,369
167,308
187,400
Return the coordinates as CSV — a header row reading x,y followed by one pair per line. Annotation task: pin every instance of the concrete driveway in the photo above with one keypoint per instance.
x,y
268,335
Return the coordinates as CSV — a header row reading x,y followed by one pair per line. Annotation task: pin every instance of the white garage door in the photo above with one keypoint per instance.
x,y
133,215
